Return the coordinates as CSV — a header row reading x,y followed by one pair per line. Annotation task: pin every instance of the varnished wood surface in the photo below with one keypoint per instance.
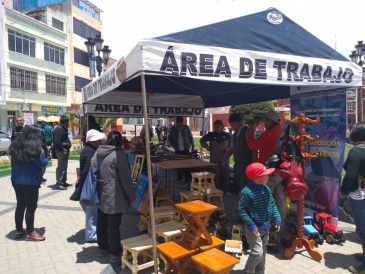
x,y
215,260
197,207
173,251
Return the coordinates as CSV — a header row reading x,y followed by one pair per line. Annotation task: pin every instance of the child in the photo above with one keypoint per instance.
x,y
256,208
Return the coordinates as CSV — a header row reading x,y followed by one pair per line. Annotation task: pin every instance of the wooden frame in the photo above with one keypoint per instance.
x,y
137,166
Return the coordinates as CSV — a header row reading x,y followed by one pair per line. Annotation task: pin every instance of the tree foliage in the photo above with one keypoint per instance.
x,y
252,113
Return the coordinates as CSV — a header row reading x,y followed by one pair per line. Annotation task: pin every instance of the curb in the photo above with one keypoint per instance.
x,y
7,171
74,157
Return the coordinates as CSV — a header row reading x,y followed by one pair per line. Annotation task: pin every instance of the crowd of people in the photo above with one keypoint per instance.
x,y
260,189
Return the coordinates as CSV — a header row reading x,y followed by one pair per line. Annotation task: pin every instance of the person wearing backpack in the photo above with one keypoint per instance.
x,y
116,194
353,187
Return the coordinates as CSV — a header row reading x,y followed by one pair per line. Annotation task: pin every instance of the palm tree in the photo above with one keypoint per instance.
x,y
107,122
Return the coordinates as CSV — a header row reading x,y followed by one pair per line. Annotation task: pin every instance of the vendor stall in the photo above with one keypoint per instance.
x,y
253,58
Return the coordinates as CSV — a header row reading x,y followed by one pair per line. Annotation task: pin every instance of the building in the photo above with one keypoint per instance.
x,y
34,68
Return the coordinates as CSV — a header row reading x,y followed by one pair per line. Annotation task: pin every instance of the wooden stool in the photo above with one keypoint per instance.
x,y
175,256
202,180
137,246
169,230
187,196
214,196
214,261
161,196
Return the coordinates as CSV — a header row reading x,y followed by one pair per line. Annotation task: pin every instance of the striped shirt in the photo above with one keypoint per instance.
x,y
358,194
257,207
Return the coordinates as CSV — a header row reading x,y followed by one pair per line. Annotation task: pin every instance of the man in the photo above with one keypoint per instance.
x,y
266,143
219,142
150,131
18,130
92,124
181,139
42,122
62,146
158,129
242,154
48,133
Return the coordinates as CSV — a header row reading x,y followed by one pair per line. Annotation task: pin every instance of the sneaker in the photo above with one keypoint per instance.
x,y
357,269
44,180
66,184
60,187
115,259
19,234
227,194
359,256
34,237
103,252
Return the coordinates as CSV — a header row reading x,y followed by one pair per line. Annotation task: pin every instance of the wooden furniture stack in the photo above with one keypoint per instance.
x,y
195,240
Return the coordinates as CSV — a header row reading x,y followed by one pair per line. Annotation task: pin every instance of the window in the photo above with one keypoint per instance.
x,y
54,54
57,24
80,83
23,79
81,57
55,85
21,43
84,30
133,121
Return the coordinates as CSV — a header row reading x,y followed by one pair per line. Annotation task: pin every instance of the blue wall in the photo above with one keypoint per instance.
x,y
21,5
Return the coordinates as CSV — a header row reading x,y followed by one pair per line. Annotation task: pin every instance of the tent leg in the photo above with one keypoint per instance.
x,y
203,133
149,171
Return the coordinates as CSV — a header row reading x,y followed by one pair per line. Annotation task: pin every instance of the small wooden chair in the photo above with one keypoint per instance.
x,y
137,246
187,196
214,261
162,196
214,196
202,180
169,230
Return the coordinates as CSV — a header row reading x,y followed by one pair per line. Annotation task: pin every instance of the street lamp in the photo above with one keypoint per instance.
x,y
355,57
98,43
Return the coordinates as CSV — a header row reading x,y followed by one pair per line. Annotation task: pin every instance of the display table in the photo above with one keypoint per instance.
x,y
178,165
196,214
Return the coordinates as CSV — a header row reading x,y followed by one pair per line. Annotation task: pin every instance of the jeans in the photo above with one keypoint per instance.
x,y
27,199
358,213
108,232
258,243
276,187
91,217
221,178
61,171
186,172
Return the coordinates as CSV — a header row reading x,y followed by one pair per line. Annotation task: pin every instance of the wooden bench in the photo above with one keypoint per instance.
x,y
202,180
137,246
214,196
214,261
187,196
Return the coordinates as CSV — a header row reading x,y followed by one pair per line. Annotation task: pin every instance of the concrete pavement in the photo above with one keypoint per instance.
x,y
65,251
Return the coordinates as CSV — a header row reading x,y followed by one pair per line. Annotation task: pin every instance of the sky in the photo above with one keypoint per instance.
x,y
125,22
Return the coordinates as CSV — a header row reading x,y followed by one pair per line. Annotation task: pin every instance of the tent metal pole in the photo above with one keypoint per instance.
x,y
203,133
149,170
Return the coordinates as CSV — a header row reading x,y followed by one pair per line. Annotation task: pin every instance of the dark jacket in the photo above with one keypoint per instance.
x,y
85,161
60,138
354,164
187,137
218,142
17,131
115,185
29,173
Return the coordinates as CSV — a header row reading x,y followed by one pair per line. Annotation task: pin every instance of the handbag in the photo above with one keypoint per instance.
x,y
76,194
89,194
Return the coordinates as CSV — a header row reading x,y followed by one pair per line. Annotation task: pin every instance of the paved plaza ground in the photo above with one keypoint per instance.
x,y
65,251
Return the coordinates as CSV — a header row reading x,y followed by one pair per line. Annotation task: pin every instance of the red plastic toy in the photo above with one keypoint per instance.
x,y
323,223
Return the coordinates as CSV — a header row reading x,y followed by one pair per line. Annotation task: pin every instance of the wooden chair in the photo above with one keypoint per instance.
x,y
214,261
202,180
137,246
170,230
161,196
214,196
187,196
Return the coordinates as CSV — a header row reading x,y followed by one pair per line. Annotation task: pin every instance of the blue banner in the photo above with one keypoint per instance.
x,y
323,175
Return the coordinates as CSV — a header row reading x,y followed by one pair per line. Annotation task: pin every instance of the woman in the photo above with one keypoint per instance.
x,y
93,141
116,193
28,157
354,191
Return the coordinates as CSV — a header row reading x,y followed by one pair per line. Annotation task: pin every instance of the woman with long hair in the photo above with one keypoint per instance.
x,y
116,194
28,157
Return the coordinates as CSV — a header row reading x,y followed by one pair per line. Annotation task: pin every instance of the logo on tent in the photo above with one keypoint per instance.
x,y
275,17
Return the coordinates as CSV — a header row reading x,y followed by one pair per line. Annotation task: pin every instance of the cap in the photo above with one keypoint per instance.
x,y
273,116
42,119
256,170
94,135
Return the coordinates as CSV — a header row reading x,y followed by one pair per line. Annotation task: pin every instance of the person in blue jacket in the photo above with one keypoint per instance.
x,y
28,157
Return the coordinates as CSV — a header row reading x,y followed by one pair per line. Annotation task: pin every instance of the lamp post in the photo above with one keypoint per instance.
x,y
355,57
98,43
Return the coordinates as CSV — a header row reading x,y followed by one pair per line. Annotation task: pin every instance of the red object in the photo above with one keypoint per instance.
x,y
256,170
323,223
266,142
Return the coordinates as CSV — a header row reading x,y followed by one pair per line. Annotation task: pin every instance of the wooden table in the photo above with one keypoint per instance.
x,y
214,261
181,165
196,214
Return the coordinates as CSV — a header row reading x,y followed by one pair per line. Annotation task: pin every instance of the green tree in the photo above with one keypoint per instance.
x,y
253,113
107,122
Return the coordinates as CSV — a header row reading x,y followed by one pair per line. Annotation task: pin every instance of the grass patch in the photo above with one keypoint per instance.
x,y
5,163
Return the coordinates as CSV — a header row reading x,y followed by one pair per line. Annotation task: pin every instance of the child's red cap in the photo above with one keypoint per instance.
x,y
256,170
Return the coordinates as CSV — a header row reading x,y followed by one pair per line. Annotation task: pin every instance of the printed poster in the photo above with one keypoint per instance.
x,y
323,175
28,118
144,205
139,189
